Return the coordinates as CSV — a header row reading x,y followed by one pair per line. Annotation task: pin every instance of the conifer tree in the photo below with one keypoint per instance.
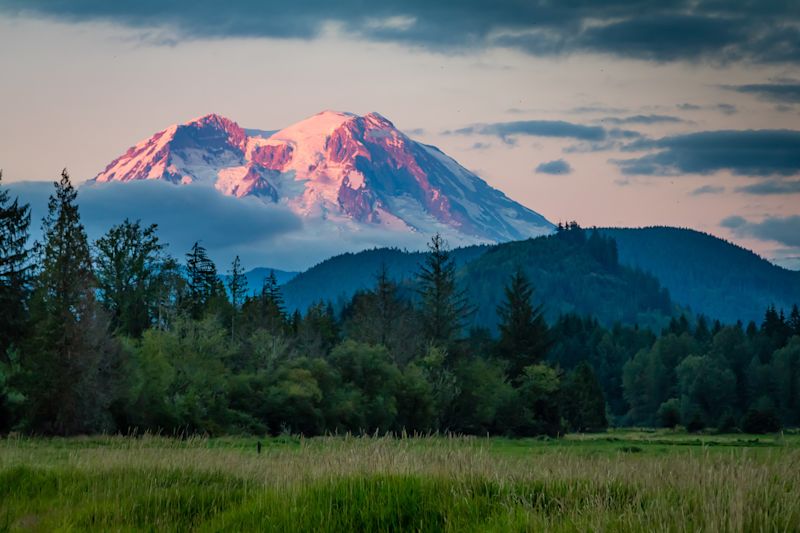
x,y
443,306
70,358
127,264
583,404
273,312
203,283
524,335
237,287
794,320
14,270
381,316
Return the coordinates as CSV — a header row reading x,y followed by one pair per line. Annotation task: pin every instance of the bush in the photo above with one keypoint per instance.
x,y
760,421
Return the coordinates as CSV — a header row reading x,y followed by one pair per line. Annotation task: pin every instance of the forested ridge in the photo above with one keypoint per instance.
x,y
706,273
117,336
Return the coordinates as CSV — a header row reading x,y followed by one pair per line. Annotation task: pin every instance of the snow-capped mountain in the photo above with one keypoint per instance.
x,y
354,171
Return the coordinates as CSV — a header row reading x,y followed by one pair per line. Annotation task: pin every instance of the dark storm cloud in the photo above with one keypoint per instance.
x,y
559,166
742,152
535,128
785,230
670,30
771,187
666,38
784,92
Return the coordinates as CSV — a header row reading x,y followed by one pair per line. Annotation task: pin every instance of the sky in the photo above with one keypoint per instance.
x,y
611,113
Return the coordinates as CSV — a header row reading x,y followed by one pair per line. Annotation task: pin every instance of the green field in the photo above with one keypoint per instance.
x,y
622,480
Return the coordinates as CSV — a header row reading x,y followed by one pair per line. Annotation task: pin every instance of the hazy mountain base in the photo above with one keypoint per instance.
x,y
572,273
621,482
703,274
707,274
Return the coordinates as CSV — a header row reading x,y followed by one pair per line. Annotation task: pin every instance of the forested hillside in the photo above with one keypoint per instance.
x,y
337,279
710,275
573,271
118,336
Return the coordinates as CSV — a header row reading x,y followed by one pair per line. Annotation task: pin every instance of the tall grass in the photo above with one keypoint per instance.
x,y
389,484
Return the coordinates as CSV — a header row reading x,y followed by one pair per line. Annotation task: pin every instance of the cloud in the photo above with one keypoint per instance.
x,y
590,109
725,109
707,189
673,30
535,128
559,166
666,37
642,119
785,91
261,234
227,226
769,187
783,230
480,146
742,152
733,222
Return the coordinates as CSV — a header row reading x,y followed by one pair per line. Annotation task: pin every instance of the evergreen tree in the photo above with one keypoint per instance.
x,y
203,283
14,270
237,287
272,307
794,320
583,404
524,335
443,306
381,316
127,265
70,359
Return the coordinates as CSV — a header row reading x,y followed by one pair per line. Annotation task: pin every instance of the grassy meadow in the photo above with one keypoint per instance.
x,y
616,481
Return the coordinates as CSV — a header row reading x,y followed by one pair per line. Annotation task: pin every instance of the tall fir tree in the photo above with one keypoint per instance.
x,y
443,306
127,262
203,283
70,359
794,320
524,334
237,288
15,270
382,316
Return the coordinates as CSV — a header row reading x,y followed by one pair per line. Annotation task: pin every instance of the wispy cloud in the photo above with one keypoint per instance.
x,y
784,230
643,119
772,187
725,109
742,152
782,91
559,166
708,189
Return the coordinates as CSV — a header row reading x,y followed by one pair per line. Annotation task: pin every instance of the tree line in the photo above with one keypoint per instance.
x,y
118,336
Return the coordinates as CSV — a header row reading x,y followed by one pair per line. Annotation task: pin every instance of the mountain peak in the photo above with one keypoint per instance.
x,y
347,169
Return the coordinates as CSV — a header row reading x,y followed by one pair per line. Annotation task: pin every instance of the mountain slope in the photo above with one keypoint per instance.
x,y
569,274
699,271
338,278
708,274
354,172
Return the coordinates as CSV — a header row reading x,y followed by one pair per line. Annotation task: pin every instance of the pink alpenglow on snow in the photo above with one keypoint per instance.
x,y
350,170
